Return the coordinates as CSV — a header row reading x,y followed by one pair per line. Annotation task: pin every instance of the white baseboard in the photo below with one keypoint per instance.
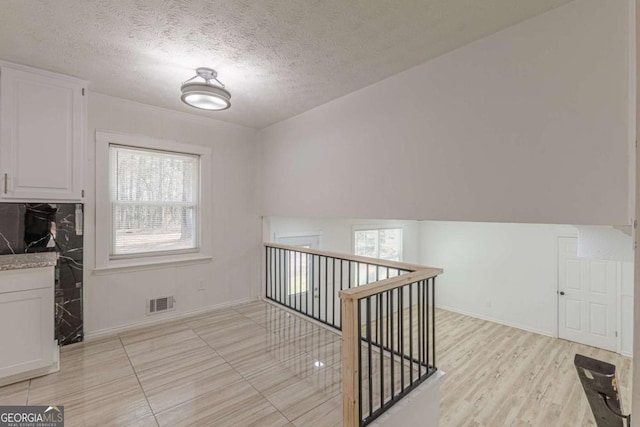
x,y
490,319
109,332
513,325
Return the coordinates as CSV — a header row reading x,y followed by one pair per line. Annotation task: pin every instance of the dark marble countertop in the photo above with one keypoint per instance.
x,y
31,260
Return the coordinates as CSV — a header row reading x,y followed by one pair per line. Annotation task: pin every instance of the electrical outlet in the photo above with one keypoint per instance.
x,y
201,285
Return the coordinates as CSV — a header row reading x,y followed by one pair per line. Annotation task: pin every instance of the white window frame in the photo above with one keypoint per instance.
x,y
104,259
374,227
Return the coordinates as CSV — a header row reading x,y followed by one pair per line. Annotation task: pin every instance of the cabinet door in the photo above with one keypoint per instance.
x,y
41,136
26,331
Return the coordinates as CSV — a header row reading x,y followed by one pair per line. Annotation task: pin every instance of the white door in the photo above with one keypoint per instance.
x,y
299,278
586,297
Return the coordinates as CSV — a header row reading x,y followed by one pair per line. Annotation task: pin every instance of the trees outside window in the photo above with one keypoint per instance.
x,y
384,243
154,201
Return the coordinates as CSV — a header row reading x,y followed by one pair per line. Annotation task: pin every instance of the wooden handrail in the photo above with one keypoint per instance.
x,y
350,321
355,258
350,343
388,284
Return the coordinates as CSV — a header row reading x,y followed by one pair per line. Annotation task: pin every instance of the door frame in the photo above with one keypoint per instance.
x,y
277,236
618,289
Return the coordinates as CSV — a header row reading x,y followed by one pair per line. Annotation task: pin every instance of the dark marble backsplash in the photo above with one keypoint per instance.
x,y
48,227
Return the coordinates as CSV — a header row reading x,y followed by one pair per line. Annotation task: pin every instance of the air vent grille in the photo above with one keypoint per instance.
x,y
158,305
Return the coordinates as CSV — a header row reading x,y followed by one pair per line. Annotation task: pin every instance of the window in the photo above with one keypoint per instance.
x,y
382,243
385,243
154,201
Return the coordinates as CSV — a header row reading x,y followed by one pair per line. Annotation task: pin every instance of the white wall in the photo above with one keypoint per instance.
x,y
118,298
508,273
501,272
530,124
336,234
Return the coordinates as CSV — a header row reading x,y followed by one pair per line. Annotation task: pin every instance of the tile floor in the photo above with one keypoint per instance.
x,y
257,365
248,365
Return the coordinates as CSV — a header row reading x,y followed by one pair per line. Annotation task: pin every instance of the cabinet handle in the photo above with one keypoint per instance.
x,y
5,183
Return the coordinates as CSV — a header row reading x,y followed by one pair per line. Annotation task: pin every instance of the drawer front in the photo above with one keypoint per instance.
x,y
26,279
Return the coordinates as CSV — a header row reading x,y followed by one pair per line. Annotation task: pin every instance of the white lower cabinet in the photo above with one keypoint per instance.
x,y
27,324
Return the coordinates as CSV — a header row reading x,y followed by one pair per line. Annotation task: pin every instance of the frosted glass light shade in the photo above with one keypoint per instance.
x,y
205,96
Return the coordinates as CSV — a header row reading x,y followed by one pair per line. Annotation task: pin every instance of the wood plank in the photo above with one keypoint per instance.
x,y
350,369
387,284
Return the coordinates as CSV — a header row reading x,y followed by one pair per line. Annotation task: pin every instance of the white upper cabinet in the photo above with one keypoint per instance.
x,y
42,133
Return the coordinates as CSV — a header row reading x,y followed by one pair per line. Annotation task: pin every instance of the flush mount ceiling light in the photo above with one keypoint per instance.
x,y
206,96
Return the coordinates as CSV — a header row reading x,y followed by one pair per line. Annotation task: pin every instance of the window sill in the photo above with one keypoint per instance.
x,y
150,263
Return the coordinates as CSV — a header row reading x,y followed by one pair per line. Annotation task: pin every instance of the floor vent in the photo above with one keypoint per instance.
x,y
158,305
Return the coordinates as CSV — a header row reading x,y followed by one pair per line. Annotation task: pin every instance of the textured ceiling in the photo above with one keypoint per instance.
x,y
278,58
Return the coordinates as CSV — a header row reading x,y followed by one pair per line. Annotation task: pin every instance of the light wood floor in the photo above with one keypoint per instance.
x,y
256,364
502,376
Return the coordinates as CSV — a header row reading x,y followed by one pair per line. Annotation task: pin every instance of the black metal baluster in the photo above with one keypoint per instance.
x,y
296,277
425,337
419,329
309,280
341,288
433,319
388,334
312,289
410,333
266,274
366,278
359,303
300,282
292,282
369,355
377,340
381,323
307,270
274,263
275,289
401,336
287,294
326,287
425,325
391,345
294,286
333,294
